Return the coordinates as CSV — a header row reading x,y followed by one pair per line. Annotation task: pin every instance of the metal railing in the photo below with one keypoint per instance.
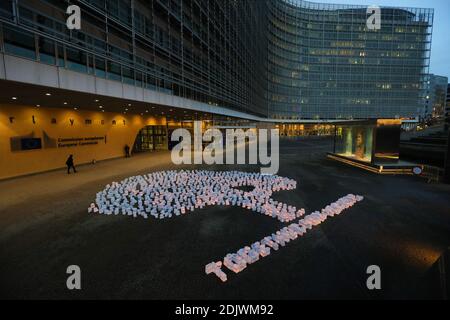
x,y
432,174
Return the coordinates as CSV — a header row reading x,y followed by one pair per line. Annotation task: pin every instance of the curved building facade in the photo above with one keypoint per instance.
x,y
323,62
281,59
210,51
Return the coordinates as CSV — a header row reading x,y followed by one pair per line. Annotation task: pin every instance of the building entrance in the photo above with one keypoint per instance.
x,y
151,138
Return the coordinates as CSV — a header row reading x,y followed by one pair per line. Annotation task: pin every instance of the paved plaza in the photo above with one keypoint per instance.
x,y
403,226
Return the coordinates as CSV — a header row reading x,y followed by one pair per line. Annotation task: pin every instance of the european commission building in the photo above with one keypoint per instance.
x,y
279,59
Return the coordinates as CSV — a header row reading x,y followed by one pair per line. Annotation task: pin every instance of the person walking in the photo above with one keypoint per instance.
x,y
70,165
127,151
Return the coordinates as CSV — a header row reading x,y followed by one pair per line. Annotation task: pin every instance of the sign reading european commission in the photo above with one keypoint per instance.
x,y
79,142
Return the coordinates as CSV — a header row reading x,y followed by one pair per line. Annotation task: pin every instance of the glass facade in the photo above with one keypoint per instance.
x,y
151,138
299,130
212,51
436,96
281,59
447,108
370,141
323,62
355,142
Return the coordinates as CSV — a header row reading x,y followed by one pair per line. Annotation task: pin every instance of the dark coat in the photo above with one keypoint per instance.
x,y
69,161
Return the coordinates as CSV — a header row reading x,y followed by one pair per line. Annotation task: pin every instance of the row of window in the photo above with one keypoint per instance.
x,y
213,68
218,70
330,72
341,56
316,12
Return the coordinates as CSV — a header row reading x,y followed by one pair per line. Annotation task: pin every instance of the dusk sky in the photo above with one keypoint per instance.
x,y
440,52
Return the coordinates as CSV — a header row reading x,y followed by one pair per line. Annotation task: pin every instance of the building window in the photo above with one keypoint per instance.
x,y
47,51
114,71
138,79
100,68
128,75
19,43
76,60
6,9
61,60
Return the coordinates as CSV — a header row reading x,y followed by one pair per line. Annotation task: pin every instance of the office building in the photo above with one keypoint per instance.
x,y
436,97
140,63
